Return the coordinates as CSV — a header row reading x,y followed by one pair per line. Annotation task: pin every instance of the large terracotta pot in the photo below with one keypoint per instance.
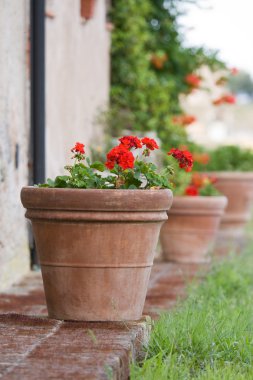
x,y
96,248
238,188
191,228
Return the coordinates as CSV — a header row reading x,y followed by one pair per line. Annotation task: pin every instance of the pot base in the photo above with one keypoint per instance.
x,y
92,294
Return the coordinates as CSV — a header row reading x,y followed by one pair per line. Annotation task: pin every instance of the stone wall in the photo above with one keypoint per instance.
x,y
77,84
77,87
14,139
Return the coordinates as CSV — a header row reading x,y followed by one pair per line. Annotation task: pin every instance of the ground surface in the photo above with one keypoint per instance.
x,y
35,347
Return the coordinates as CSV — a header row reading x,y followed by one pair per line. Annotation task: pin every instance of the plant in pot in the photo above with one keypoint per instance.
x,y
233,168
193,220
96,231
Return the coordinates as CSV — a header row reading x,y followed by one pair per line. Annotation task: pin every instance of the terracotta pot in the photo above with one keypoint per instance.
x,y
96,248
192,225
238,188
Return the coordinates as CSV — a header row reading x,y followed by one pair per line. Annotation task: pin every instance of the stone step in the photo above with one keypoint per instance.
x,y
36,347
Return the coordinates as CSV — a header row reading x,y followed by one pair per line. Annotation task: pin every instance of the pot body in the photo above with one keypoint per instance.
x,y
96,248
238,188
191,228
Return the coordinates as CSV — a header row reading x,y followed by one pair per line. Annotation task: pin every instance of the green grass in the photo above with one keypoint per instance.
x,y
209,336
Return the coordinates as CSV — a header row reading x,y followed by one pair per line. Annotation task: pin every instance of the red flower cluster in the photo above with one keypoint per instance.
x,y
191,190
122,155
228,98
184,119
78,148
234,71
193,80
130,142
150,143
201,158
184,157
198,181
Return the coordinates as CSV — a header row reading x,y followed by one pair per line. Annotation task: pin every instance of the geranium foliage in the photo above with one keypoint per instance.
x,y
126,167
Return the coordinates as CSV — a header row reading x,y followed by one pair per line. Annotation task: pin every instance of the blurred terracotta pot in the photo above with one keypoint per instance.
x,y
96,248
192,225
238,188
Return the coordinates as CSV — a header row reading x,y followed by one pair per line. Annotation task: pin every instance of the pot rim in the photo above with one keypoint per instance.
x,y
96,199
231,175
199,197
199,204
93,190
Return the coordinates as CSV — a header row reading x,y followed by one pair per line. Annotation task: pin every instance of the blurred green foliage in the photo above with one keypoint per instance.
x,y
149,63
228,158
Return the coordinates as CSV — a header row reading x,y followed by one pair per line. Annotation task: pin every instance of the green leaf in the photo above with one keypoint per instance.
x,y
98,166
137,174
50,182
61,181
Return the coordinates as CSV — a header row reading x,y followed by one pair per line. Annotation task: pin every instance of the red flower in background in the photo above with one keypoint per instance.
x,y
184,157
234,71
130,142
184,119
193,80
78,148
120,155
201,158
158,61
150,143
198,182
228,98
191,190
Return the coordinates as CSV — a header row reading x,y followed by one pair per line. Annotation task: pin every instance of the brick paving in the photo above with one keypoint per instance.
x,y
36,347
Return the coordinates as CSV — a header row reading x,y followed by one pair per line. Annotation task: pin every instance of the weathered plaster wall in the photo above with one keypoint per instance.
x,y
14,132
77,84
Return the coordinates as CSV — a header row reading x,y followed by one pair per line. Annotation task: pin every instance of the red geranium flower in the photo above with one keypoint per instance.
x,y
218,101
184,119
158,61
130,142
234,71
228,98
78,148
201,158
120,155
193,80
184,157
199,180
150,143
191,190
